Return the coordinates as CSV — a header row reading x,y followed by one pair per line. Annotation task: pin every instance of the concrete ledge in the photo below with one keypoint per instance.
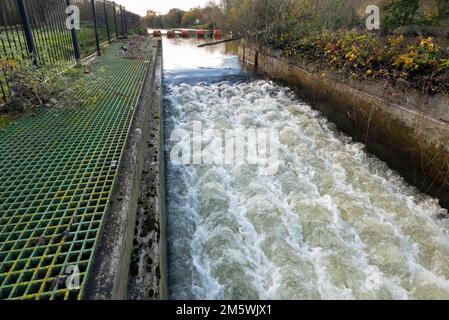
x,y
109,278
148,270
163,246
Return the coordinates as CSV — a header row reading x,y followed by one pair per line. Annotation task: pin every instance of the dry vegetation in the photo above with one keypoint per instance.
x,y
407,51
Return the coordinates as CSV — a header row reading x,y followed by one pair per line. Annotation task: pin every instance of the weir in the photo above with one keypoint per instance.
x,y
334,222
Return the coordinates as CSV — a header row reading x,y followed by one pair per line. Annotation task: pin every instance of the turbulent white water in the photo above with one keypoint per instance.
x,y
333,223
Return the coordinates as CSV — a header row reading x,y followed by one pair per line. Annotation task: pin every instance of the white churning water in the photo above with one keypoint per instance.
x,y
332,223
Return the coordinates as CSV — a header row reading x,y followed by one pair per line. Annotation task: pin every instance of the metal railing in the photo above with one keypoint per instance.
x,y
37,30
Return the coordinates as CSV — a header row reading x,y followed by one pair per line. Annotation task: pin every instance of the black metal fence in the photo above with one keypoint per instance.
x,y
37,30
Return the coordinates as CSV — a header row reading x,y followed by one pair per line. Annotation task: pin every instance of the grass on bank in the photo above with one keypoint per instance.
x,y
6,120
53,44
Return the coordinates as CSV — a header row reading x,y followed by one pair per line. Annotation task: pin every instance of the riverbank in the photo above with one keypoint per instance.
x,y
407,130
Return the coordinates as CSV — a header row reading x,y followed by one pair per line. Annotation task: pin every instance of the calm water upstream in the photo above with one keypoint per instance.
x,y
332,223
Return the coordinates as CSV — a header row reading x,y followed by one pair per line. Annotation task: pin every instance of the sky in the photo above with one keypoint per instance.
x,y
162,6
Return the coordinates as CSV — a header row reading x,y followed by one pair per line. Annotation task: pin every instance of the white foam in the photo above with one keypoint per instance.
x,y
333,223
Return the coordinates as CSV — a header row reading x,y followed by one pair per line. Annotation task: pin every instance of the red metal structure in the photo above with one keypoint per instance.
x,y
201,33
218,34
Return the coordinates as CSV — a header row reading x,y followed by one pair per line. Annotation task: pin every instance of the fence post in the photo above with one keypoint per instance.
x,y
126,22
106,20
121,18
76,46
25,18
97,37
115,19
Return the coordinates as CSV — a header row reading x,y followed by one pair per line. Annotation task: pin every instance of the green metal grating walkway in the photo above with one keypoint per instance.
x,y
57,171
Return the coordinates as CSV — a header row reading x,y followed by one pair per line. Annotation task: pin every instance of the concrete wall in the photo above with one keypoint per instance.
x,y
403,128
148,272
110,273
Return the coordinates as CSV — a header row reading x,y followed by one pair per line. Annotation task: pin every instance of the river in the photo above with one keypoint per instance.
x,y
331,222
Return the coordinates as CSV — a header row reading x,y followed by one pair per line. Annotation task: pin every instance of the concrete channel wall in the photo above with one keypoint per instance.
x,y
402,127
148,272
110,275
